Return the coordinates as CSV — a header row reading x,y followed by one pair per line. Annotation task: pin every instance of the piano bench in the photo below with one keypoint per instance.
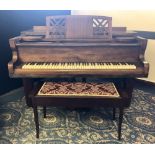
x,y
78,95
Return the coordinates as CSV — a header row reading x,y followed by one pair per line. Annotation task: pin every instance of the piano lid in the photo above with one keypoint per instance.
x,y
79,27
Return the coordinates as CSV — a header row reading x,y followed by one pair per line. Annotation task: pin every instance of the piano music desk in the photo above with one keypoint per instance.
x,y
79,95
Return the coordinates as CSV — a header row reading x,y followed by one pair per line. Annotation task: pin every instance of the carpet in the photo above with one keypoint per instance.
x,y
81,126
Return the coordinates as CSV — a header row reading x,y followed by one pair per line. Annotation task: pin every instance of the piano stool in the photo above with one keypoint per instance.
x,y
78,95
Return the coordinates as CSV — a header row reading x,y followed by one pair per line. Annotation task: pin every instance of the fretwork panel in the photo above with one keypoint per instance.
x,y
56,27
102,27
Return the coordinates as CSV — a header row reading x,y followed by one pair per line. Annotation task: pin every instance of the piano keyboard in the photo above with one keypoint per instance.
x,y
78,66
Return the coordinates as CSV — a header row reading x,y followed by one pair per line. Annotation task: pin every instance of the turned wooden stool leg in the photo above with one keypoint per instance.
x,y
36,119
120,122
44,111
114,111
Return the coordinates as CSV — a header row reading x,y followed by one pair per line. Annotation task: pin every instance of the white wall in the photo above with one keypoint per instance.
x,y
133,20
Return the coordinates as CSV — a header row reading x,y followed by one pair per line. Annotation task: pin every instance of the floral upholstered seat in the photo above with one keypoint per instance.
x,y
106,89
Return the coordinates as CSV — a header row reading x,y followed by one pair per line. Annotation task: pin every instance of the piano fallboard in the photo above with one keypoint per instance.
x,y
36,52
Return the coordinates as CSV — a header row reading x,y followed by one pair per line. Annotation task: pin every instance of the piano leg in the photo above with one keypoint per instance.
x,y
128,85
120,122
28,86
36,119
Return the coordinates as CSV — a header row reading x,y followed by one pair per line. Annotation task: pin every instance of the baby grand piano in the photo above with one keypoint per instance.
x,y
71,46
